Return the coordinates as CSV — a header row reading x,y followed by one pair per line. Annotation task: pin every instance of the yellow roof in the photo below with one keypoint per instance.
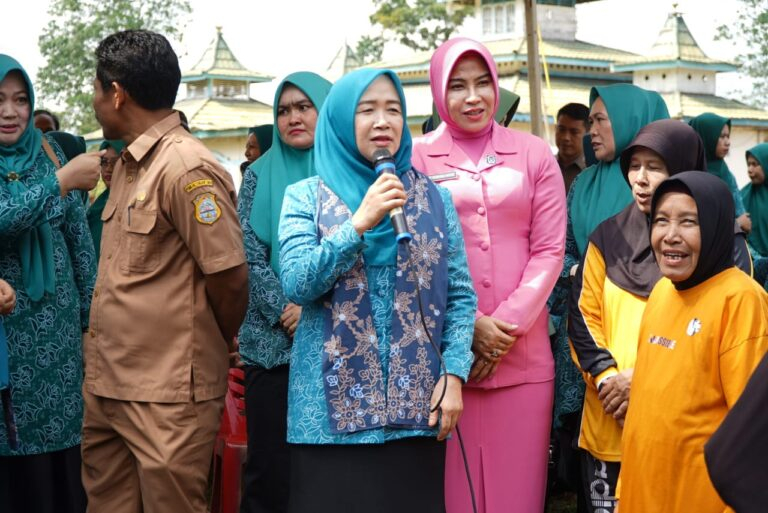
x,y
210,114
515,50
690,105
564,91
210,117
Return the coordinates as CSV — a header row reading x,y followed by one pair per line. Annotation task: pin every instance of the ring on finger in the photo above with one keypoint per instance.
x,y
495,353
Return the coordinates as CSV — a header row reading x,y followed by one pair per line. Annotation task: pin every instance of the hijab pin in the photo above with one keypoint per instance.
x,y
490,159
13,176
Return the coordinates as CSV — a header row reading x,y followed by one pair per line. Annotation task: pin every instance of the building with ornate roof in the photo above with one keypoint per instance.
x,y
675,66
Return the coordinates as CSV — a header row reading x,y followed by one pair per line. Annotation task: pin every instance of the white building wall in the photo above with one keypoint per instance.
x,y
507,20
229,151
682,80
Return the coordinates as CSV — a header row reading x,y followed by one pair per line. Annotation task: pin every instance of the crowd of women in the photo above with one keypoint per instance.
x,y
363,355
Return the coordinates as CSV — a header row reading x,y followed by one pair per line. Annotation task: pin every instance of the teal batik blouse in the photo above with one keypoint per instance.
x,y
262,340
45,337
308,271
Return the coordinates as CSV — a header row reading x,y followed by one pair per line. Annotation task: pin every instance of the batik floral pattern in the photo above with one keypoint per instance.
x,y
45,337
354,383
263,342
310,267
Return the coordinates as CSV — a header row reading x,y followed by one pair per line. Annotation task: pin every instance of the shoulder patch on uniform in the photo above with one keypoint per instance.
x,y
191,186
207,210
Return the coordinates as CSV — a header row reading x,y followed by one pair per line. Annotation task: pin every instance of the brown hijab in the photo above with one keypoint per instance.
x,y
624,239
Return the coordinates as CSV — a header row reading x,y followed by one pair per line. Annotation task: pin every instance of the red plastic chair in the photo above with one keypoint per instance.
x,y
230,449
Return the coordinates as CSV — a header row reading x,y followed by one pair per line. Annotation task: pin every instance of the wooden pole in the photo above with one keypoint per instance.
x,y
534,68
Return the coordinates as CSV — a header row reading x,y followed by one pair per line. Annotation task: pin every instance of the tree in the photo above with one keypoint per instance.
x,y
70,39
369,49
420,24
751,28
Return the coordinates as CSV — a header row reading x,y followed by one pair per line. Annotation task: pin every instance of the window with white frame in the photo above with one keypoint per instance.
x,y
498,17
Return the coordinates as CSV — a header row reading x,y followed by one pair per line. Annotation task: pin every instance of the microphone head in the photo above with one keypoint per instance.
x,y
380,155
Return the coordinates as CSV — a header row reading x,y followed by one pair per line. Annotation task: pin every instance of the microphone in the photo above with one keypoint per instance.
x,y
384,163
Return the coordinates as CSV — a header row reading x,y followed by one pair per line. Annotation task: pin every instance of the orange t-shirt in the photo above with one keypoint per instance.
x,y
697,350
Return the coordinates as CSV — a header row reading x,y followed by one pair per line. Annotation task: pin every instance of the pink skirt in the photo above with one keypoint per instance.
x,y
506,438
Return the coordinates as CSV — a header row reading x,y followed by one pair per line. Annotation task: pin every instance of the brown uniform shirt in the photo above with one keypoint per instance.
x,y
169,221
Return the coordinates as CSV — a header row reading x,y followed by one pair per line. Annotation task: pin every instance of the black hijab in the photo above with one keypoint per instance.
x,y
624,239
714,203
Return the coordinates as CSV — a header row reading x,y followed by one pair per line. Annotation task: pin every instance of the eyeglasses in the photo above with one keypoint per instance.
x,y
108,161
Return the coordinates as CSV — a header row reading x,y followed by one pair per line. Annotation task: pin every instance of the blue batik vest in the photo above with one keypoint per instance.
x,y
356,395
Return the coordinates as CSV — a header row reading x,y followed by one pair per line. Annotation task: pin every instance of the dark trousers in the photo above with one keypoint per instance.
x,y
599,479
266,474
42,483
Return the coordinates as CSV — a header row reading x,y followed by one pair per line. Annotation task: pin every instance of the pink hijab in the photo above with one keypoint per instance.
x,y
440,67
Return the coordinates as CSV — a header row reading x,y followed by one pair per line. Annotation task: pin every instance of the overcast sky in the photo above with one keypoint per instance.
x,y
278,37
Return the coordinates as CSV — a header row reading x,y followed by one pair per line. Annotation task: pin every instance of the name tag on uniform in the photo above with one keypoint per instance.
x,y
442,177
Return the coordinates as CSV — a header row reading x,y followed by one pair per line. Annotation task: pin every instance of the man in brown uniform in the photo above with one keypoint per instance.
x,y
170,295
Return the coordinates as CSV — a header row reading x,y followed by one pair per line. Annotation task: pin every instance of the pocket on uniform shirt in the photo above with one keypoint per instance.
x,y
142,245
109,211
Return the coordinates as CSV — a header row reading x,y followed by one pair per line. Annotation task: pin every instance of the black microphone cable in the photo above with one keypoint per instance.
x,y
444,371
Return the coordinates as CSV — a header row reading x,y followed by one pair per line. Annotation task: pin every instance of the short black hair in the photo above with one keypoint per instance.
x,y
56,124
577,111
143,63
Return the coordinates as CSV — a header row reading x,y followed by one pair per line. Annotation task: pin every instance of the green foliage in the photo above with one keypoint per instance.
x,y
751,28
69,41
419,24
369,49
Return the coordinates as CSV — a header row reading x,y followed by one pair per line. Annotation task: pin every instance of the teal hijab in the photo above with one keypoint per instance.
x,y
263,133
601,191
341,165
756,202
282,166
709,126
36,244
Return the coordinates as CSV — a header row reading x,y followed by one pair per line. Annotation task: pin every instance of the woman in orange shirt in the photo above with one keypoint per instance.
x,y
704,330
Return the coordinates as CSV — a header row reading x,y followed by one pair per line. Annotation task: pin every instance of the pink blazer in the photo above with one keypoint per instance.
x,y
513,215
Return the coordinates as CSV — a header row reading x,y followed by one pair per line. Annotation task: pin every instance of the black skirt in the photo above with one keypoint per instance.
x,y
42,483
404,476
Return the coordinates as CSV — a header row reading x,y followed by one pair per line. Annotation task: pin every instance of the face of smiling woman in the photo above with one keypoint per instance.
x,y
471,96
676,236
379,118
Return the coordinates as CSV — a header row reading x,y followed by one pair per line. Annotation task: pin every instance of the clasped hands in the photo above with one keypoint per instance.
x,y
491,341
614,395
289,321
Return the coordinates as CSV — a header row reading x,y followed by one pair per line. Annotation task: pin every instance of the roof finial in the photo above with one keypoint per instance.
x,y
675,10
218,29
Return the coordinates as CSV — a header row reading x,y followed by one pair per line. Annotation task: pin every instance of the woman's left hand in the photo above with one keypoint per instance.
x,y
483,369
615,391
7,298
290,318
451,407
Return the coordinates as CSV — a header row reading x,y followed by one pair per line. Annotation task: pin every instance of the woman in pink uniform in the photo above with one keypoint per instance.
x,y
509,192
